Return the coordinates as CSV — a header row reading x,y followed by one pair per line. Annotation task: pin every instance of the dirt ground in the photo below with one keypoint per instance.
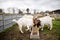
x,y
15,34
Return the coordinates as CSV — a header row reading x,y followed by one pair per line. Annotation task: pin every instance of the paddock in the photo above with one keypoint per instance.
x,y
12,33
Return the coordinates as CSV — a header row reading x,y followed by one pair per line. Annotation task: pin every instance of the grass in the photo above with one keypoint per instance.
x,y
55,31
6,30
57,28
10,28
54,34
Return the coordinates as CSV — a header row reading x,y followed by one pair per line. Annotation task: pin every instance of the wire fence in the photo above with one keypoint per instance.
x,y
6,20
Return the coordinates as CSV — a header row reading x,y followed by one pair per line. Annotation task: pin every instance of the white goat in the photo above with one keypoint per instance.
x,y
47,20
26,21
27,16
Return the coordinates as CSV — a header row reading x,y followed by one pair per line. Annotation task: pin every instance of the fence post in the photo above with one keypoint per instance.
x,y
3,20
16,16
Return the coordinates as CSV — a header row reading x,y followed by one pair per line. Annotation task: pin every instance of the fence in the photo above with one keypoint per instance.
x,y
6,20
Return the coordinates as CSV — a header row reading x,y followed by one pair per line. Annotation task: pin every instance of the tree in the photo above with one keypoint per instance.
x,y
1,10
41,12
34,11
27,10
46,11
13,10
20,12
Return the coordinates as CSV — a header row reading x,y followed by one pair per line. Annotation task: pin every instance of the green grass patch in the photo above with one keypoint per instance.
x,y
56,29
8,29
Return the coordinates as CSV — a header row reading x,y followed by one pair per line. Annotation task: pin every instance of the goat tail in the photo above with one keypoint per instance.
x,y
14,20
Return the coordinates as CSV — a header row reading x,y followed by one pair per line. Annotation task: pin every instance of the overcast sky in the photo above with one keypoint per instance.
x,y
32,4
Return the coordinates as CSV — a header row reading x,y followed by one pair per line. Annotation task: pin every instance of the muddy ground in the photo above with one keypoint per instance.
x,y
15,34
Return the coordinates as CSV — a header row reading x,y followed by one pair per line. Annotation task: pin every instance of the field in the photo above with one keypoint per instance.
x,y
13,33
